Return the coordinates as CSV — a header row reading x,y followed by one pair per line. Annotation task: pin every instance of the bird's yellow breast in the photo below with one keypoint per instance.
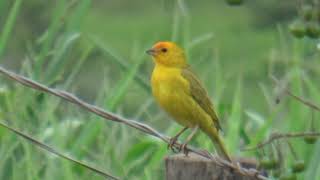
x,y
172,92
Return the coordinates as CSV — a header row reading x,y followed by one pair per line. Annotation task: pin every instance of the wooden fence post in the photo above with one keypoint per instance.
x,y
194,167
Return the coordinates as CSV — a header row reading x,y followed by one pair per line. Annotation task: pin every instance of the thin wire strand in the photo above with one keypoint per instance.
x,y
53,151
113,117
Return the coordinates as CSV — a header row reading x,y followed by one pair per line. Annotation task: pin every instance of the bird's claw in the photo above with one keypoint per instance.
x,y
172,141
184,149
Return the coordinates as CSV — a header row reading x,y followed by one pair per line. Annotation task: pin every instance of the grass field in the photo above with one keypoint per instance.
x,y
96,50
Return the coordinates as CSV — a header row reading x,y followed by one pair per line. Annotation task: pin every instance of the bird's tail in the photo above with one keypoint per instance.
x,y
218,143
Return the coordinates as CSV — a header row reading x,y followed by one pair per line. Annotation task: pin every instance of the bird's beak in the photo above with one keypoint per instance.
x,y
151,52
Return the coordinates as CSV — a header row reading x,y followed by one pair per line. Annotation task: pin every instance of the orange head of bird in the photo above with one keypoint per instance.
x,y
168,54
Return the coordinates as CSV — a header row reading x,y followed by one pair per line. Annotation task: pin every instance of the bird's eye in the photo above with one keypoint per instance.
x,y
164,50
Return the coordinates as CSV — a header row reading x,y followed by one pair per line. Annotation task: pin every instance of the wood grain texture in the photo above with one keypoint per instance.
x,y
194,167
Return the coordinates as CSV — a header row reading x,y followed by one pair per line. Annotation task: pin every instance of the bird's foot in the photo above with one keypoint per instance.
x,y
172,141
184,149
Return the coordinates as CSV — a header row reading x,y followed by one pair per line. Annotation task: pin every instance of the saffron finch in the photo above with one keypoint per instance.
x,y
179,92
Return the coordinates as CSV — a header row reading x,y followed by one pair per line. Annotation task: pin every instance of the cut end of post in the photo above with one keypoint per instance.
x,y
194,167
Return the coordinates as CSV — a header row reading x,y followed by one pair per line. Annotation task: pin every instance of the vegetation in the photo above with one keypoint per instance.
x,y
96,50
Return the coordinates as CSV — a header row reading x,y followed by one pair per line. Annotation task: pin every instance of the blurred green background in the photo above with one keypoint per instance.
x,y
96,50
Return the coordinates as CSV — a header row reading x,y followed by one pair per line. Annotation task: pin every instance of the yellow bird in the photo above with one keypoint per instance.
x,y
179,92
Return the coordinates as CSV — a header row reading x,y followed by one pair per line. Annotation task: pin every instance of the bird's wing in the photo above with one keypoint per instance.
x,y
200,95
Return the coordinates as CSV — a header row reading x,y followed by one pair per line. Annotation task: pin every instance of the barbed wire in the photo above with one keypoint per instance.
x,y
53,151
132,123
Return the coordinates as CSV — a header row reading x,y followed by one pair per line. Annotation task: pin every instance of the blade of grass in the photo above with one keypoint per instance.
x,y
68,39
7,29
314,91
199,40
5,157
28,160
49,35
76,68
55,67
77,17
137,150
120,61
313,165
3,7
123,85
111,103
297,110
53,151
234,122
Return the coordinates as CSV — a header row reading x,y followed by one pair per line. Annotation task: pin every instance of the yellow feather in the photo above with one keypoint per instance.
x,y
172,91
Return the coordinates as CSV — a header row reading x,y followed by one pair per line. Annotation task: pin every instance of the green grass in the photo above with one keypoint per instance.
x,y
7,28
96,51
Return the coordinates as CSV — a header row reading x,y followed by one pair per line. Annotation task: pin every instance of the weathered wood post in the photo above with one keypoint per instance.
x,y
194,167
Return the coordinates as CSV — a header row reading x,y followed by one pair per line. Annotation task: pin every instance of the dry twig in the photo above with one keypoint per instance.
x,y
300,99
113,117
276,136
